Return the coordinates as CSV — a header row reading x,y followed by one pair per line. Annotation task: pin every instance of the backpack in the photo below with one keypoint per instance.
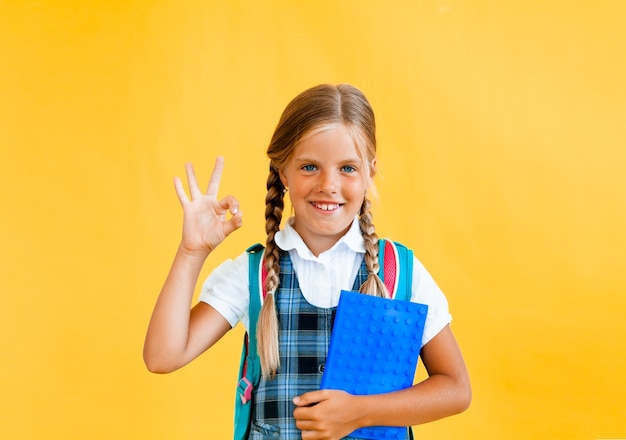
x,y
396,271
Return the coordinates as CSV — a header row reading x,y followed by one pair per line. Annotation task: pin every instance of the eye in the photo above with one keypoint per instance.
x,y
309,168
348,169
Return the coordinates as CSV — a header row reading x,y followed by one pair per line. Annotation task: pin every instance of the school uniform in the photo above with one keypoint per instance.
x,y
306,302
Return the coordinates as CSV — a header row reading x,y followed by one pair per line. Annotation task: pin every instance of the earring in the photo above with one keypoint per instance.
x,y
285,190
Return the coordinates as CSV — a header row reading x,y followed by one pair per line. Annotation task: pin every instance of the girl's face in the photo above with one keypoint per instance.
x,y
327,183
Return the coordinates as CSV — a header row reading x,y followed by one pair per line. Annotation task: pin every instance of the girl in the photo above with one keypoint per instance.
x,y
323,154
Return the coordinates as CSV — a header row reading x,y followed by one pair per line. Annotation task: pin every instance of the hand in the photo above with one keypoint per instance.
x,y
205,224
326,414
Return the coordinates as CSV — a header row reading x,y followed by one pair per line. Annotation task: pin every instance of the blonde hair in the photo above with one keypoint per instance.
x,y
314,109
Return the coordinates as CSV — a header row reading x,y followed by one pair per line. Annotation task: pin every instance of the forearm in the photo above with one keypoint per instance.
x,y
447,390
168,332
334,414
437,397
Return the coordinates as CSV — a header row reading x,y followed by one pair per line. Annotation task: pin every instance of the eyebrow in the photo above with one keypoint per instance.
x,y
354,159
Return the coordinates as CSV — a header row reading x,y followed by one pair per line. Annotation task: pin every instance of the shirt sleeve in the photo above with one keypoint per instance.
x,y
426,291
226,290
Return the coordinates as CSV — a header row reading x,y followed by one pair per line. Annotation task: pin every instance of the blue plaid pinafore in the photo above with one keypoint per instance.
x,y
304,338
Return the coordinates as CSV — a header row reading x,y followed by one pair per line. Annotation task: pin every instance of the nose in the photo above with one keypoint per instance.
x,y
327,182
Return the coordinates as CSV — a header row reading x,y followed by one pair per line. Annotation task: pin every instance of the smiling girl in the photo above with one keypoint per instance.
x,y
323,154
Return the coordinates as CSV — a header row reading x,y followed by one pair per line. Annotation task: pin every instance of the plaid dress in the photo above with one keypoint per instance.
x,y
304,338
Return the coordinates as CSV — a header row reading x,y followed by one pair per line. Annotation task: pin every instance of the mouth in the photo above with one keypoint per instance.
x,y
326,206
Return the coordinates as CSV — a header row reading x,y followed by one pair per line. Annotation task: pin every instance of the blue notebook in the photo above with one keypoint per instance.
x,y
374,348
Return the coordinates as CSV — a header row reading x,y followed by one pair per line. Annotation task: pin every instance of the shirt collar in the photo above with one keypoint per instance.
x,y
288,239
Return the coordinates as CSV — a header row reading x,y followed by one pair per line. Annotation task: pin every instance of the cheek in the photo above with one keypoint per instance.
x,y
364,183
357,188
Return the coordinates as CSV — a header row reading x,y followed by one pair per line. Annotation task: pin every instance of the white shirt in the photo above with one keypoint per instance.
x,y
321,279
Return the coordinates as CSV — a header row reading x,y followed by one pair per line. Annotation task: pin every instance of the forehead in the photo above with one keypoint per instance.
x,y
337,137
331,141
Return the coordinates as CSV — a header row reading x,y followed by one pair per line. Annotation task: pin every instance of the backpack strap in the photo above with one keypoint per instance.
x,y
250,364
396,271
396,268
256,279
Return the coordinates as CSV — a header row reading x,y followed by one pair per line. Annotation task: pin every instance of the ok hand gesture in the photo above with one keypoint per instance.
x,y
205,222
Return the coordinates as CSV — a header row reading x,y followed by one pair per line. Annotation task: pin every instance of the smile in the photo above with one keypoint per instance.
x,y
326,206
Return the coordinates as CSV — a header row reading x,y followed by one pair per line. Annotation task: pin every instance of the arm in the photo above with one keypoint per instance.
x,y
447,391
175,334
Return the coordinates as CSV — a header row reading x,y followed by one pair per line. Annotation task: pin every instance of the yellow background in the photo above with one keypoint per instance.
x,y
502,130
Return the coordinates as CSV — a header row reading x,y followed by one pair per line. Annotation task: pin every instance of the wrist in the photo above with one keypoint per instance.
x,y
362,405
192,255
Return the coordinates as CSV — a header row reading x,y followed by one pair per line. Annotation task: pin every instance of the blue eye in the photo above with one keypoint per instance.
x,y
348,169
309,168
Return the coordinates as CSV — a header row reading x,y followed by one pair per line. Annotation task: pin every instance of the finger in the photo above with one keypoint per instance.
x,y
216,176
303,418
307,435
230,203
194,191
311,435
305,424
180,191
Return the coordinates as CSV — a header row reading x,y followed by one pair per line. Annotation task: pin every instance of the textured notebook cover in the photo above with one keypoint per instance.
x,y
374,347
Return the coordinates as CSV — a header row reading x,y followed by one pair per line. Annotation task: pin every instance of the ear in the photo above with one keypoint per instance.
x,y
373,167
283,178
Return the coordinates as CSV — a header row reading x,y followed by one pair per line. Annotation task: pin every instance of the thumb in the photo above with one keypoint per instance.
x,y
233,223
309,399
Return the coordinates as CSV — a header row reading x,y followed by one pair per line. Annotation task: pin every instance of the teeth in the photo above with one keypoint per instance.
x,y
326,207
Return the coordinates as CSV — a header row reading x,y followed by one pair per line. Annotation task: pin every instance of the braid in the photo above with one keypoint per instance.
x,y
267,329
373,285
